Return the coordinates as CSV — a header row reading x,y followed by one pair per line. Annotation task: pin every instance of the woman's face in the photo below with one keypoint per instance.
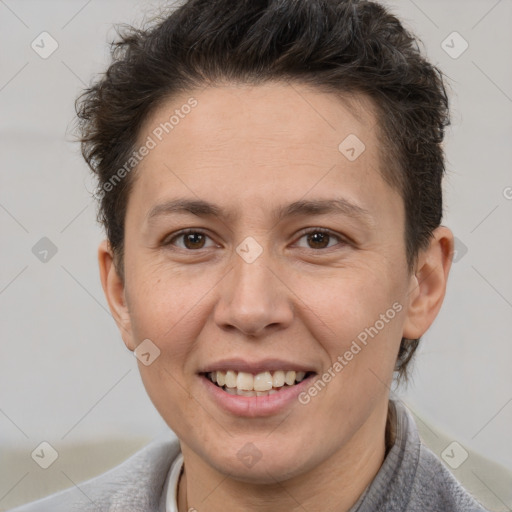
x,y
295,250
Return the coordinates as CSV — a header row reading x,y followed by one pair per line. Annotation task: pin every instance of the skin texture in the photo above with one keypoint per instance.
x,y
250,150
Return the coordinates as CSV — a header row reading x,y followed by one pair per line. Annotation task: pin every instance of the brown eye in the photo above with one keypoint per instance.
x,y
320,239
194,240
190,240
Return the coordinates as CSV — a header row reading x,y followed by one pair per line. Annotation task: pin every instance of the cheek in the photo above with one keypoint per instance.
x,y
344,304
164,302
170,395
357,318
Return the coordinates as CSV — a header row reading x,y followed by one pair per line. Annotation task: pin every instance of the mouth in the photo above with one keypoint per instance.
x,y
260,384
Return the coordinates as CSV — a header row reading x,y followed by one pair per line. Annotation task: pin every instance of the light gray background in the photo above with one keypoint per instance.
x,y
65,374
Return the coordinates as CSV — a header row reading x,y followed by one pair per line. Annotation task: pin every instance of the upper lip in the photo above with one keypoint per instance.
x,y
262,365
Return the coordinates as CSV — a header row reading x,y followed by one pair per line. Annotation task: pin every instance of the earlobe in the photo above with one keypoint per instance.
x,y
428,284
114,290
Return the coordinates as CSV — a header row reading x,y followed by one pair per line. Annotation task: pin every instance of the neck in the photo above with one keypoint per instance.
x,y
334,485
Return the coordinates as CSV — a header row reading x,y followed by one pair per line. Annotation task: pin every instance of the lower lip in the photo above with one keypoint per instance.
x,y
255,406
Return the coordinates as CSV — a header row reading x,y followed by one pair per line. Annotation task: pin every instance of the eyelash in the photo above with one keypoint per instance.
x,y
341,240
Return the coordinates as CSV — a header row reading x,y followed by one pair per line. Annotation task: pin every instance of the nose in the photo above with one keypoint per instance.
x,y
253,299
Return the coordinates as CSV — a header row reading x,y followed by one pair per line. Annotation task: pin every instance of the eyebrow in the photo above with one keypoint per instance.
x,y
203,208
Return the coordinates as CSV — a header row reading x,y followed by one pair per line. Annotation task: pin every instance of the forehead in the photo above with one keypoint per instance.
x,y
276,141
281,112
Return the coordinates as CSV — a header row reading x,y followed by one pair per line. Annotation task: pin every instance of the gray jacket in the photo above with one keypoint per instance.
x,y
411,479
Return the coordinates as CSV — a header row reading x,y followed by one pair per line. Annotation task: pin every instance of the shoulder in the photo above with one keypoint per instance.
x,y
135,484
433,488
436,487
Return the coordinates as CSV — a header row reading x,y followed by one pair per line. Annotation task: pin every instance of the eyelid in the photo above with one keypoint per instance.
x,y
343,240
173,236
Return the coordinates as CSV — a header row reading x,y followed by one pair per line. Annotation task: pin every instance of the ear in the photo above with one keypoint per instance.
x,y
114,290
428,284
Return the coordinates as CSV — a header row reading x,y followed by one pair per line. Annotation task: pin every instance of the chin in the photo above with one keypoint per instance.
x,y
263,465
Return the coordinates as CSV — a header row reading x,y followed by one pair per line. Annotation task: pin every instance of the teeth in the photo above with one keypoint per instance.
x,y
243,392
230,379
263,381
290,378
278,379
245,381
261,384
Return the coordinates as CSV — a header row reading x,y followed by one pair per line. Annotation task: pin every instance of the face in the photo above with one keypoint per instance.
x,y
261,246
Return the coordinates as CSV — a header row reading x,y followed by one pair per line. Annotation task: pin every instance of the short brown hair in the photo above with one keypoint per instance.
x,y
340,46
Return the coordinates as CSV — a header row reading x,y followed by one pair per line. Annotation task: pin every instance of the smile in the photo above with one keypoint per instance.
x,y
261,384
